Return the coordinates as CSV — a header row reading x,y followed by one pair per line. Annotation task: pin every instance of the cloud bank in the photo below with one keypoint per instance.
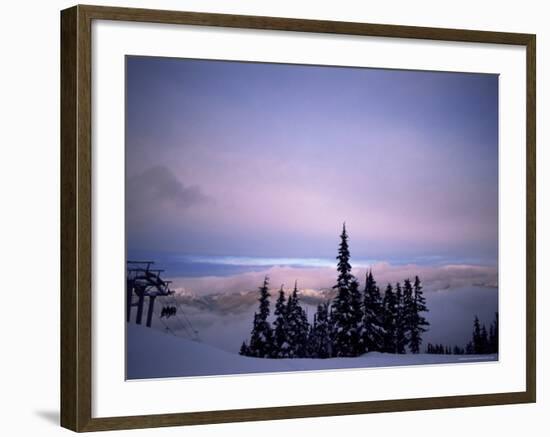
x,y
322,278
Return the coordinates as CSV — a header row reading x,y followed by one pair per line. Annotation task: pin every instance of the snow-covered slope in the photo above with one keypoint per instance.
x,y
155,354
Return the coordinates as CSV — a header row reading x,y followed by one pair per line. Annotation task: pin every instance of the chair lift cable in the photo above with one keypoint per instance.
x,y
182,325
194,332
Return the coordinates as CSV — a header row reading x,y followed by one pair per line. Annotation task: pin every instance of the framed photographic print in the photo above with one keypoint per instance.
x,y
337,216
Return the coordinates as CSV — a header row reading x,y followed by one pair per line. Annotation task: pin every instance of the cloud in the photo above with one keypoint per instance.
x,y
157,187
322,278
157,202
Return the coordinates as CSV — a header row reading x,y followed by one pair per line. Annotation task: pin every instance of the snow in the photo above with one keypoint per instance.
x,y
154,354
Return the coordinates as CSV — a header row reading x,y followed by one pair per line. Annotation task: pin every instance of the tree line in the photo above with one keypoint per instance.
x,y
355,322
483,341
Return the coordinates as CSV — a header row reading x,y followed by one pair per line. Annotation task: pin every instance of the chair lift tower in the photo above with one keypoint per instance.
x,y
142,282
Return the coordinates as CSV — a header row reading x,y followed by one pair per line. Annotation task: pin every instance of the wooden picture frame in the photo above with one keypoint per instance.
x,y
76,218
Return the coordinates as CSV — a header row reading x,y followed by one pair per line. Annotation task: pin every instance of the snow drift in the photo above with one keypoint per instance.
x,y
155,354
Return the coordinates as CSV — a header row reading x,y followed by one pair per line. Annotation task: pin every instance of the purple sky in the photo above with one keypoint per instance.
x,y
268,160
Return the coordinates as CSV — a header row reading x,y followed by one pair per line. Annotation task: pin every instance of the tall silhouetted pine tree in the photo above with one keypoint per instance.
x,y
319,344
261,339
400,321
357,318
408,308
418,324
493,336
297,325
281,347
331,330
389,305
311,339
476,337
484,341
344,315
372,334
457,350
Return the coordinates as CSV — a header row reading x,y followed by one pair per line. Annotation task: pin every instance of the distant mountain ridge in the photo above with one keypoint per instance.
x,y
236,303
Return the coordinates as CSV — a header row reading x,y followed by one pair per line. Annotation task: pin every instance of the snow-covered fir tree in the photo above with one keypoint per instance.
x,y
357,318
389,308
372,333
310,349
400,321
261,338
484,339
344,315
331,329
476,336
319,343
408,308
418,323
297,326
493,336
281,346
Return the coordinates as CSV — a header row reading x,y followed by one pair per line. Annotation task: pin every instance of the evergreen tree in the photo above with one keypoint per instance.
x,y
344,317
261,339
484,341
356,319
372,334
493,336
409,310
297,326
491,339
312,339
319,344
418,324
389,309
400,318
331,330
456,350
244,349
476,337
281,347
344,268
